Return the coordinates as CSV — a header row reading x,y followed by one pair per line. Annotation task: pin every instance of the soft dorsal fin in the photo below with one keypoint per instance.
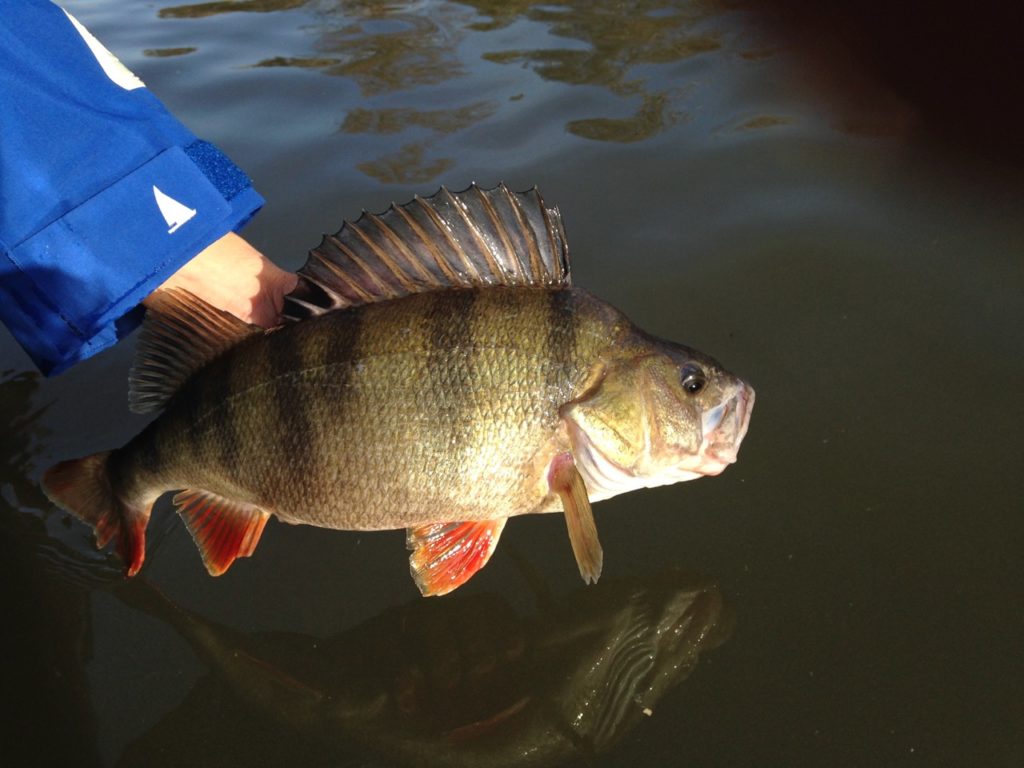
x,y
470,239
181,334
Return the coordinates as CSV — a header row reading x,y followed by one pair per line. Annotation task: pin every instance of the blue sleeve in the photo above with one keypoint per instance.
x,y
103,194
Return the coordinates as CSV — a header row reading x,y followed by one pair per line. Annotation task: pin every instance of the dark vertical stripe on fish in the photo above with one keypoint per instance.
x,y
293,429
222,429
340,350
560,346
137,463
342,345
149,455
334,352
449,330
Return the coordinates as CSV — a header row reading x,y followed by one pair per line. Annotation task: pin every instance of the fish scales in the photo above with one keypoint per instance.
x,y
385,416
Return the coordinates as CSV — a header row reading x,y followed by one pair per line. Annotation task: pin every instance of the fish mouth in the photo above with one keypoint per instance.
x,y
725,426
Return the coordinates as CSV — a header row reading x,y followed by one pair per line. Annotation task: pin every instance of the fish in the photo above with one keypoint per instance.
x,y
437,371
468,681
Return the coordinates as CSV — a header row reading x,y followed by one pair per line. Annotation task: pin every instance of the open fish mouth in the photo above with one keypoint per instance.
x,y
724,427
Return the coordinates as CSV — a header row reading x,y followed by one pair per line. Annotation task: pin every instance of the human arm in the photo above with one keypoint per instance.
x,y
104,196
232,275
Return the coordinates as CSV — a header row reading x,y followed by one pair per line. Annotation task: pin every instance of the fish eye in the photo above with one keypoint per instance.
x,y
692,378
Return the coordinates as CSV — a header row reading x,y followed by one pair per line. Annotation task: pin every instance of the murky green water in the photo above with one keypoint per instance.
x,y
848,594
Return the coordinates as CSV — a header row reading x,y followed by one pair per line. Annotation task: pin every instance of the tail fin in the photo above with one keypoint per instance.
x,y
82,487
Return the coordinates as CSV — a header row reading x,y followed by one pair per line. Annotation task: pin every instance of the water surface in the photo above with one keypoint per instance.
x,y
811,225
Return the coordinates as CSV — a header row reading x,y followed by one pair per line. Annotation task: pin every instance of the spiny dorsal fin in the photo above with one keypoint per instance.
x,y
181,334
470,239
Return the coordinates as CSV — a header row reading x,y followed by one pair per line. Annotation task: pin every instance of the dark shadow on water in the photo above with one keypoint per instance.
x,y
199,10
459,681
49,720
163,53
956,69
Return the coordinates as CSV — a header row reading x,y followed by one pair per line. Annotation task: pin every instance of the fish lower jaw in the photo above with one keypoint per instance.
x,y
724,428
716,453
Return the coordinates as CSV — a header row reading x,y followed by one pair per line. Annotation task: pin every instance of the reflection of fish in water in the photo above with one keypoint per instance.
x,y
445,376
462,682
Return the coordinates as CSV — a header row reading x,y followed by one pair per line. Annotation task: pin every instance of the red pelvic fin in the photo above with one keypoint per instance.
x,y
222,529
82,487
445,555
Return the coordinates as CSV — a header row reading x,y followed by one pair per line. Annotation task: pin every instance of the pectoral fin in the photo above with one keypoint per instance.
x,y
565,480
445,555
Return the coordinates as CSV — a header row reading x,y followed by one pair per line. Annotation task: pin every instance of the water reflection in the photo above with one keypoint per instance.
x,y
47,617
22,433
164,53
410,164
395,120
198,10
459,681
621,41
399,47
37,529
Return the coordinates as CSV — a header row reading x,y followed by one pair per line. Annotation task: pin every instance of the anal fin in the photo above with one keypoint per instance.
x,y
565,480
445,555
223,530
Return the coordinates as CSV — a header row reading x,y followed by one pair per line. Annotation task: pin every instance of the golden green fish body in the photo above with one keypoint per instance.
x,y
436,406
438,372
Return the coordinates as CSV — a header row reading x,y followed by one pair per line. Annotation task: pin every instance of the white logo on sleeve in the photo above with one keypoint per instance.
x,y
174,213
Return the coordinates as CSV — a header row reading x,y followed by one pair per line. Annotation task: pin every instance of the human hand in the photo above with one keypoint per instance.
x,y
232,275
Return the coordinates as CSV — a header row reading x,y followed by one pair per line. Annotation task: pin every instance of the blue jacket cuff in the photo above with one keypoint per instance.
x,y
69,290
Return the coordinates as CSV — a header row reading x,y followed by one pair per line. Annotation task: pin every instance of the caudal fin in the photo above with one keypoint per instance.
x,y
82,487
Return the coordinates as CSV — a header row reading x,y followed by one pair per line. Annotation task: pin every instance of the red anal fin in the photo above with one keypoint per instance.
x,y
445,555
222,529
